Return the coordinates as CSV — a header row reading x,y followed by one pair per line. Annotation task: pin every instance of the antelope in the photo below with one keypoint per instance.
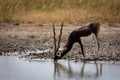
x,y
75,36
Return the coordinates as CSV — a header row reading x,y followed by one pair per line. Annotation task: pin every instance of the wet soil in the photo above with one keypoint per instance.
x,y
25,38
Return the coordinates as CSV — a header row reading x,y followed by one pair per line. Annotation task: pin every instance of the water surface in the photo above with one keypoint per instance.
x,y
13,68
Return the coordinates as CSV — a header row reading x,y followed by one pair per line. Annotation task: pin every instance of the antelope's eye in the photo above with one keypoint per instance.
x,y
58,54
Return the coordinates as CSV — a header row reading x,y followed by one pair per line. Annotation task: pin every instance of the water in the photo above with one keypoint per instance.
x,y
13,68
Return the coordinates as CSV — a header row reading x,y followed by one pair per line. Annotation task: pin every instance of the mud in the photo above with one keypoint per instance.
x,y
36,41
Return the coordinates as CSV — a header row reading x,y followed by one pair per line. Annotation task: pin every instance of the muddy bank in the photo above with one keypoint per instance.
x,y
36,41
109,51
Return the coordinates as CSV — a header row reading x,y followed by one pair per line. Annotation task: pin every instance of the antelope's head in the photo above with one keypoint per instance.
x,y
60,51
57,50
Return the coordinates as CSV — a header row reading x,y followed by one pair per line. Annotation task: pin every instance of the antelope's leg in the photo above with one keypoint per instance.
x,y
81,47
97,41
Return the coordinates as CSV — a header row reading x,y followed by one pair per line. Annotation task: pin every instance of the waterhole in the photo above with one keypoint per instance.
x,y
13,68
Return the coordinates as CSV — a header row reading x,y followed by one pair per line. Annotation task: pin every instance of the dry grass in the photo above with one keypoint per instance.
x,y
44,11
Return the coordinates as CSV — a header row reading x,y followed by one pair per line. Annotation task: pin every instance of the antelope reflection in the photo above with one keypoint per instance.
x,y
61,70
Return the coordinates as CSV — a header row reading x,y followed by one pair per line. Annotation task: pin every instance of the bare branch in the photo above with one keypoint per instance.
x,y
54,34
60,36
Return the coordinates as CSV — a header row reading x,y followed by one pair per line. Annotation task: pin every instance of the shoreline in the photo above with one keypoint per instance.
x,y
23,38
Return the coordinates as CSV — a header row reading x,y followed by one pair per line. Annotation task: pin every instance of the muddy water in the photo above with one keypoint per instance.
x,y
13,68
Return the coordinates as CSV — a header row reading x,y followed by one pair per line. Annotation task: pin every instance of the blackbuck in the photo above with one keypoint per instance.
x,y
75,36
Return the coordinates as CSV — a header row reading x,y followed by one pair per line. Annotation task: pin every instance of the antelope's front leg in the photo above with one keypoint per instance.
x,y
81,45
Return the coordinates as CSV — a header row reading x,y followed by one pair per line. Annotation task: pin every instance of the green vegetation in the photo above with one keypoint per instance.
x,y
16,22
44,11
31,36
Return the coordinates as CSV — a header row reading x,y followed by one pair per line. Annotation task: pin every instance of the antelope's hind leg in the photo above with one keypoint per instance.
x,y
98,44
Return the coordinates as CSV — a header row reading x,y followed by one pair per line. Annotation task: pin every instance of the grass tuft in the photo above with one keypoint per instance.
x,y
31,36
